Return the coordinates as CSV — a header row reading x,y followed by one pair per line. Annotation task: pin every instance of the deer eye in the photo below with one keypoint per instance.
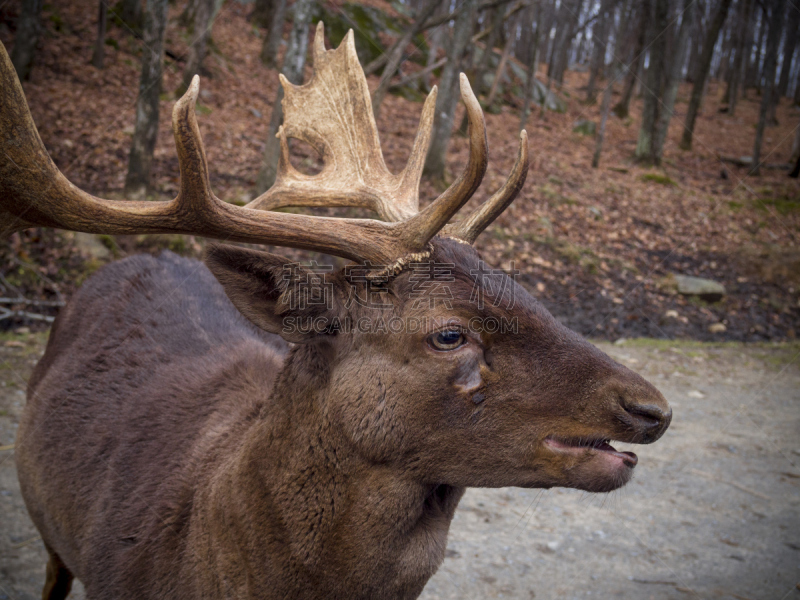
x,y
449,339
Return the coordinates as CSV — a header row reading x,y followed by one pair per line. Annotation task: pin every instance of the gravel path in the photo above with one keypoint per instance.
x,y
713,511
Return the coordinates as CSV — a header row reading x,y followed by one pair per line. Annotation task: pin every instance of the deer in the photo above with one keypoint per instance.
x,y
188,435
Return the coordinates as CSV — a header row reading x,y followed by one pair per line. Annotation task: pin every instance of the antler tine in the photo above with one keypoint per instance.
x,y
412,174
468,229
427,224
195,196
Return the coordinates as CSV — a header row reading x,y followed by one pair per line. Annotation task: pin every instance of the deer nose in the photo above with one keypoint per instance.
x,y
651,420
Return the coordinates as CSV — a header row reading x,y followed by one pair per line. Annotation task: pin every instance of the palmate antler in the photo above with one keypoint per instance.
x,y
332,112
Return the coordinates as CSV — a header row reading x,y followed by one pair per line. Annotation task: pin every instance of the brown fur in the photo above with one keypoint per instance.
x,y
171,449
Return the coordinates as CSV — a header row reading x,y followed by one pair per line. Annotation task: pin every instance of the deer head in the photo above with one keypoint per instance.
x,y
434,354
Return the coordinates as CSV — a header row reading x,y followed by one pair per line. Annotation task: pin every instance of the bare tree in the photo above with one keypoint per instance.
x,y
293,64
434,44
269,50
732,91
770,65
568,17
790,43
795,153
722,68
263,11
501,67
616,70
201,31
658,22
600,36
673,80
533,65
622,108
796,145
29,27
448,92
130,11
396,56
748,27
100,42
433,22
759,22
145,132
484,63
701,72
797,90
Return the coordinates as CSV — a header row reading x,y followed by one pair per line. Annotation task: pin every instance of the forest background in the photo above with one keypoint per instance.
x,y
662,201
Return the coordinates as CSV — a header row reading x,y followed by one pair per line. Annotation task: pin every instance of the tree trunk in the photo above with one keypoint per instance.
x,y
622,108
269,50
263,12
797,90
753,66
568,21
772,117
795,145
770,65
749,31
201,30
523,47
599,42
100,43
131,14
29,27
501,68
604,106
698,37
533,66
293,64
673,81
792,26
145,133
484,64
721,73
435,162
626,13
796,171
657,43
546,42
396,56
732,91
796,154
543,111
702,72
434,44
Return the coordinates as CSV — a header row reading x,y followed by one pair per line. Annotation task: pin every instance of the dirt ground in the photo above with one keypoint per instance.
x,y
713,511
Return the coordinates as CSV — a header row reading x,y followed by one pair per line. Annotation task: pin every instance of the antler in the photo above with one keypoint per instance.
x,y
33,192
333,113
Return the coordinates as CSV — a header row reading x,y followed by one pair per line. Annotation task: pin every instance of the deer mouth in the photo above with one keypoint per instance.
x,y
597,446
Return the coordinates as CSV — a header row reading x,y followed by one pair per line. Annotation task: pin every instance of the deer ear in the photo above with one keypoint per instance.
x,y
278,296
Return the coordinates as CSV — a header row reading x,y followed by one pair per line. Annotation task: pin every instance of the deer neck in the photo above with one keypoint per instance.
x,y
322,510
